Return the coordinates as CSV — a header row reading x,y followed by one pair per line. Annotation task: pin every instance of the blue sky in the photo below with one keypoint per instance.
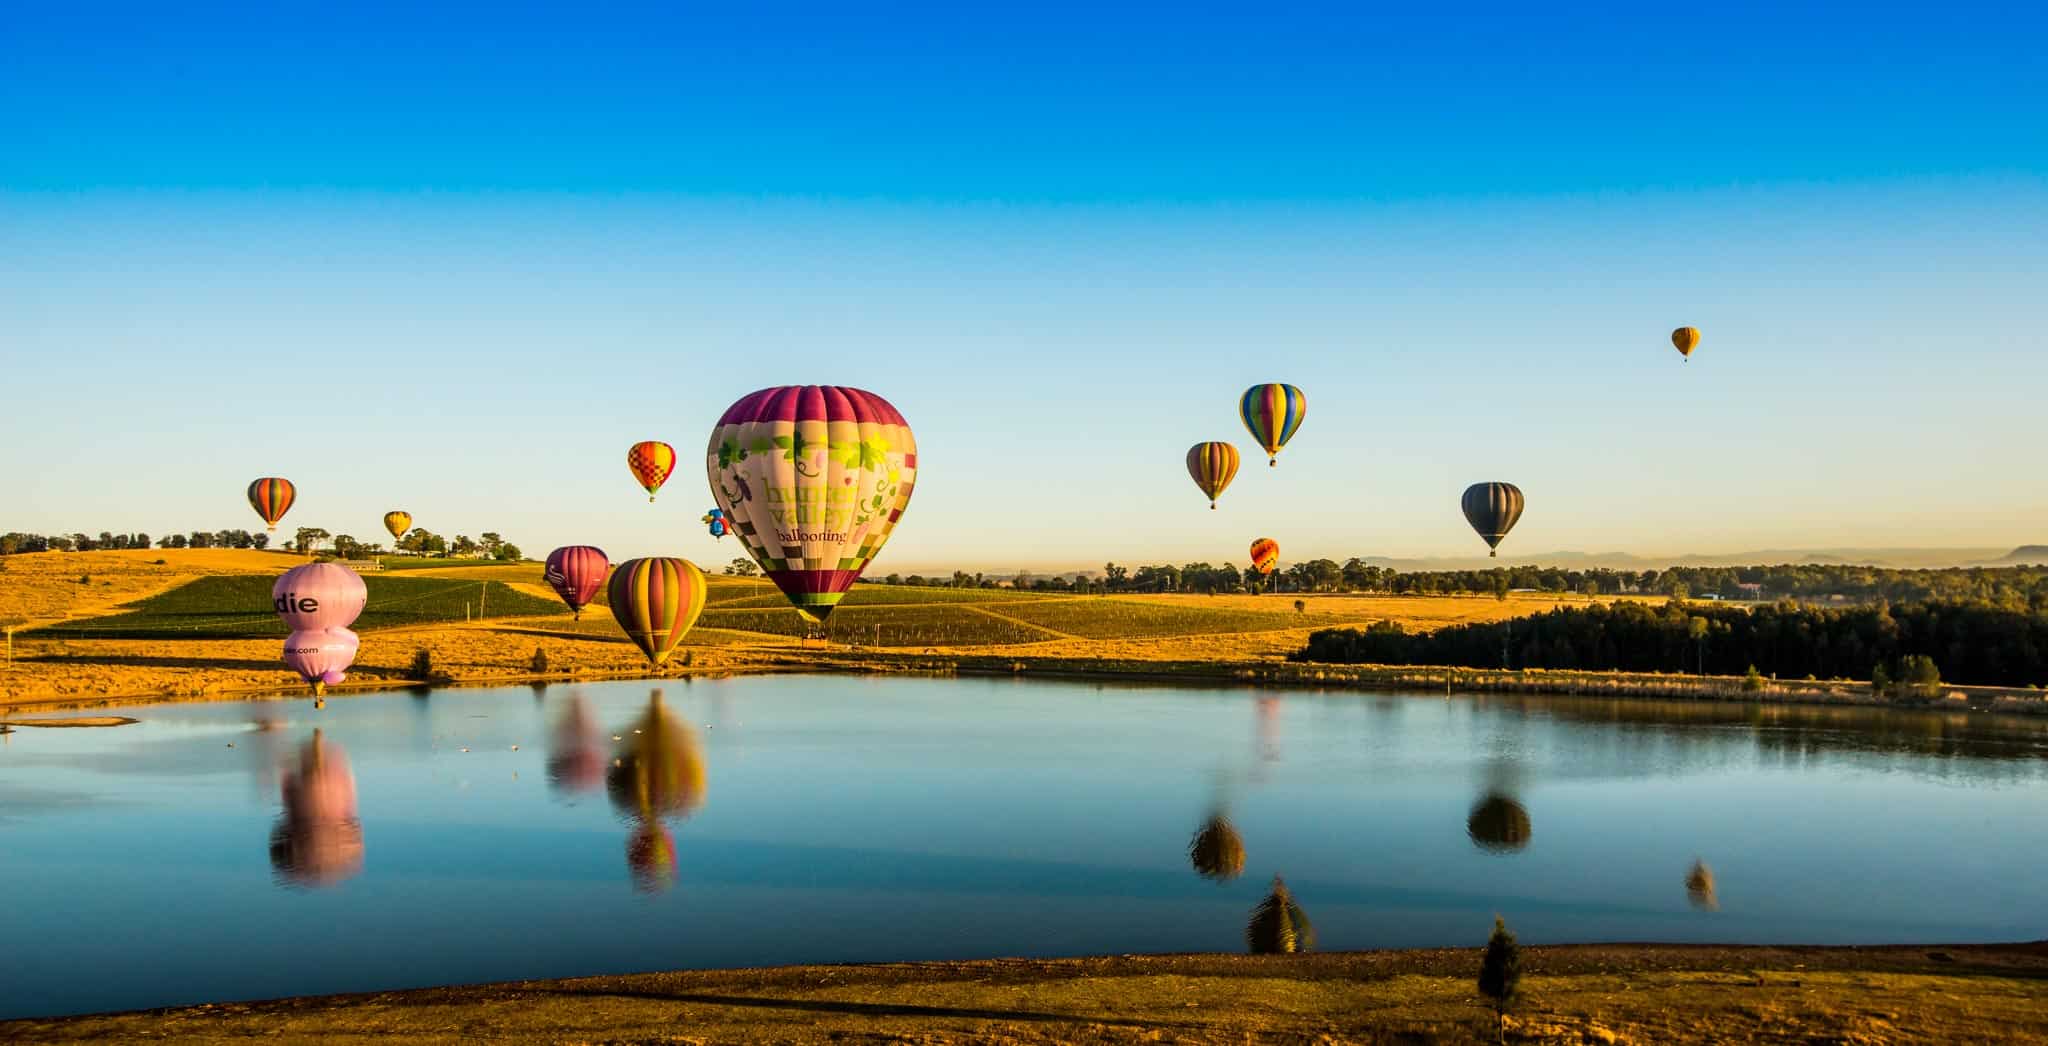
x,y
456,261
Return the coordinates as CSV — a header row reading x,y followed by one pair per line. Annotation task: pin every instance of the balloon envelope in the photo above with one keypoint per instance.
x,y
397,522
321,655
1685,339
1212,465
650,462
1265,555
318,595
576,573
1272,413
1492,509
812,479
272,497
656,601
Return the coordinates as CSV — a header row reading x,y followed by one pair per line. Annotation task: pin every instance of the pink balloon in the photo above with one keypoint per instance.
x,y
576,573
316,654
318,595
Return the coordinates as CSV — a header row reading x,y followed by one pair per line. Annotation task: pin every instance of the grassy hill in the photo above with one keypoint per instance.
x,y
238,606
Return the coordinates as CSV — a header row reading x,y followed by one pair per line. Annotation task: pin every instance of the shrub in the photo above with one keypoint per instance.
x,y
1500,974
539,664
1752,681
422,667
85,579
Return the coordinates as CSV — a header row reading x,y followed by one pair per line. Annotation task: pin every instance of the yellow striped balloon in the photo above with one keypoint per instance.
x,y
1265,555
1272,413
1212,466
397,522
1686,339
656,601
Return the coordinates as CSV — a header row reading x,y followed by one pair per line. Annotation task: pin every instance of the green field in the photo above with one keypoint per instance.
x,y
402,563
1121,619
239,606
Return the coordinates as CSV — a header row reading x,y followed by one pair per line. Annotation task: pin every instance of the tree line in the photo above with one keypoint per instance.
x,y
2013,587
1973,643
418,541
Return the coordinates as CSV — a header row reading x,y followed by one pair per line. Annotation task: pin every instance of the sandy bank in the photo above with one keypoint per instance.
x,y
1575,994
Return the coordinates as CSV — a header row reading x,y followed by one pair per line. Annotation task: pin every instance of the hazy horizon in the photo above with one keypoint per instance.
x,y
456,262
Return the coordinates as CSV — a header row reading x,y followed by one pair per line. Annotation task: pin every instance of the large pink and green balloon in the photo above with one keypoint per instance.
x,y
812,480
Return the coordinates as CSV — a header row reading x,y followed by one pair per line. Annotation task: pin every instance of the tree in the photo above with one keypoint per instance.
x,y
509,552
1500,585
465,547
491,541
1697,629
1301,606
345,546
1880,680
1500,974
260,540
1921,675
308,538
740,568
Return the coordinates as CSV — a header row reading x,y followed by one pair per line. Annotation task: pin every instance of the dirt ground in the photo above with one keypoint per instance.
x,y
1635,994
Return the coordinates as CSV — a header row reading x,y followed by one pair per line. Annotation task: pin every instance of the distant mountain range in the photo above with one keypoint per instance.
x,y
1902,558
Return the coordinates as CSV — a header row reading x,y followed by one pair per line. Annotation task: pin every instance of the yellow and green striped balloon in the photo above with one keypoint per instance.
x,y
655,601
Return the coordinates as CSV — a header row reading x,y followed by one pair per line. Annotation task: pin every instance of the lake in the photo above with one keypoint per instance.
x,y
259,849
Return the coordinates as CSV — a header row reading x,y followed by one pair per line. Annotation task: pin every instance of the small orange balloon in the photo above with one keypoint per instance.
x,y
1685,339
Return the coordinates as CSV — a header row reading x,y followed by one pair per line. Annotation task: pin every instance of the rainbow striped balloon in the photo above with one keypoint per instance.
x,y
656,601
272,497
1212,465
1272,413
651,461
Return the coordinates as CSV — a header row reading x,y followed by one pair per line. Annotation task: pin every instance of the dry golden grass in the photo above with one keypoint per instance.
x,y
41,587
1598,994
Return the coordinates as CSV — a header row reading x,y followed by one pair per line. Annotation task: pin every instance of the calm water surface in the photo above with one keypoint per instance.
x,y
223,851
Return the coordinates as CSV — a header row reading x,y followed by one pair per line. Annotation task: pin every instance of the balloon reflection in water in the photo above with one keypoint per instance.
x,y
658,772
319,840
1498,825
1699,887
1217,851
576,761
1278,926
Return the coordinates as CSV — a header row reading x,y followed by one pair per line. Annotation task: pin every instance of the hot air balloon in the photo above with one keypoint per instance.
x,y
714,521
576,572
272,497
1492,509
318,602
321,655
319,840
651,461
1272,413
1686,339
658,770
397,522
1265,555
656,601
1212,466
812,479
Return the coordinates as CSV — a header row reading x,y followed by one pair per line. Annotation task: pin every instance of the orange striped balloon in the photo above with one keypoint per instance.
x,y
656,601
1685,339
272,497
1212,466
651,461
1265,555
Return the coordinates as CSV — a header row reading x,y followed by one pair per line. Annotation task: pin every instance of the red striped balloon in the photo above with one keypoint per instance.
x,y
576,573
272,497
656,601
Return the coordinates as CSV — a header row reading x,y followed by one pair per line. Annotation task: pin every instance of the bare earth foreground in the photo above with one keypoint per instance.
x,y
1582,994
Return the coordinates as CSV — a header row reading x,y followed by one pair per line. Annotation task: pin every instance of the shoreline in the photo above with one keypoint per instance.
x,y
1250,673
1613,993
